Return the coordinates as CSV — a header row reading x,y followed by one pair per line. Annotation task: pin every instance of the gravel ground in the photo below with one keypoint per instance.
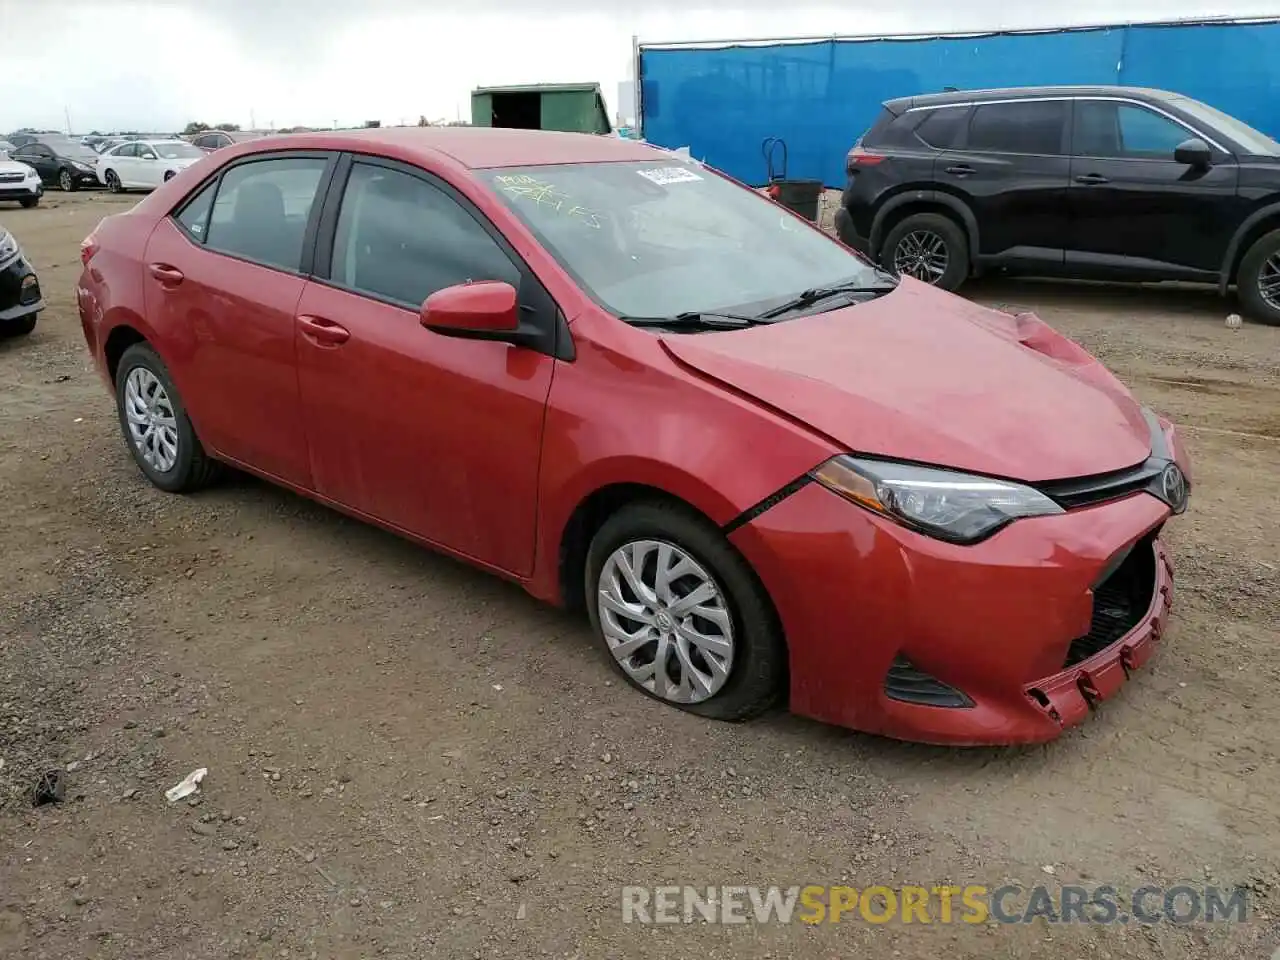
x,y
408,758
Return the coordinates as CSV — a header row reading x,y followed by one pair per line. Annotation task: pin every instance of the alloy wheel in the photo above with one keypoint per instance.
x,y
1269,281
64,180
666,621
153,427
113,181
921,254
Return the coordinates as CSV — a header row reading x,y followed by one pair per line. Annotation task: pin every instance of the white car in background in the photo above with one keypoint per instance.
x,y
19,182
144,164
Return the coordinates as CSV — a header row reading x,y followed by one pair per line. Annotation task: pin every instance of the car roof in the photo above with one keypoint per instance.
x,y
473,147
900,104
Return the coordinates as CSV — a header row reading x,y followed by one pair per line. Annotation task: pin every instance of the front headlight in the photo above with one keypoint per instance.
x,y
81,165
8,245
958,507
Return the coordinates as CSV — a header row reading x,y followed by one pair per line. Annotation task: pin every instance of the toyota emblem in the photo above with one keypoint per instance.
x,y
1174,487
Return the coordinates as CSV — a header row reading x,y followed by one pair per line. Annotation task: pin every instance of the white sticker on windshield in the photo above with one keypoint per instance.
x,y
665,175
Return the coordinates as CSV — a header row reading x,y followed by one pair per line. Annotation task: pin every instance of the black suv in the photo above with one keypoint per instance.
x,y
1100,183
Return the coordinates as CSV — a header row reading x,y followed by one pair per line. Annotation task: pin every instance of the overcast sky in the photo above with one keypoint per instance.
x,y
156,64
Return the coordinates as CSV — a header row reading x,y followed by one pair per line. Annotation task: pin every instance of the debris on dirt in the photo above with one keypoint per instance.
x,y
189,785
1233,321
50,788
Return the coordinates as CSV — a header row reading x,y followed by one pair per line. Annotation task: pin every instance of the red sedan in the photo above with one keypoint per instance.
x,y
764,467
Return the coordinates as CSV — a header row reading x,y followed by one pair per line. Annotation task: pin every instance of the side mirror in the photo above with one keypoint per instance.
x,y
483,310
1194,153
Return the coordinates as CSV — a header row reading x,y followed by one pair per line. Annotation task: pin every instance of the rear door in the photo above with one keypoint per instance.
x,y
41,158
223,278
1012,167
1134,208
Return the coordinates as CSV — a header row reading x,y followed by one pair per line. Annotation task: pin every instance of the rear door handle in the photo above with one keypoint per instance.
x,y
323,331
167,275
960,170
1092,178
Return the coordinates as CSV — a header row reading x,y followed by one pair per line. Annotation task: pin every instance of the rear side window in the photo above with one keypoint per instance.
x,y
400,238
262,208
1025,126
942,128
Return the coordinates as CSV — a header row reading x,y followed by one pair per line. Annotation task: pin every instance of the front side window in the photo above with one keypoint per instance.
x,y
125,150
145,152
262,208
1024,126
1107,128
401,238
660,238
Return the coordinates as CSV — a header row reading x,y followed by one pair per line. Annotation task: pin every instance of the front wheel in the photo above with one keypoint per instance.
x,y
681,614
156,426
1258,281
113,182
931,248
18,328
29,202
66,181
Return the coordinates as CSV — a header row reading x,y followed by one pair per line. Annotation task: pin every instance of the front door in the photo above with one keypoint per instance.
x,y
1134,208
147,166
438,436
1013,169
223,278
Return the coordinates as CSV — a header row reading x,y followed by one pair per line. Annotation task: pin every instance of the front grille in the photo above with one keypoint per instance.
x,y
12,177
908,683
1120,601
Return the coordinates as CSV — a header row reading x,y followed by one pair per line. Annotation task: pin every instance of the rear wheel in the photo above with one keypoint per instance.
x,y
1258,281
156,426
113,182
681,615
66,181
929,247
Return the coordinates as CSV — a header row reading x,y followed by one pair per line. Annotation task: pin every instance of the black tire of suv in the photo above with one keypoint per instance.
x,y
952,235
18,328
758,676
29,202
1247,280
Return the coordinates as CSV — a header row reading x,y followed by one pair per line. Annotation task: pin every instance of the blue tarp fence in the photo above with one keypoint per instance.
x,y
819,96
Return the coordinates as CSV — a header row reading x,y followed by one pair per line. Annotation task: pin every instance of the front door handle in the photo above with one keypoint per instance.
x,y
1090,179
960,170
323,331
167,275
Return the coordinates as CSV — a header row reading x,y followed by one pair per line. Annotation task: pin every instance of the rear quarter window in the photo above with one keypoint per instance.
x,y
942,128
875,135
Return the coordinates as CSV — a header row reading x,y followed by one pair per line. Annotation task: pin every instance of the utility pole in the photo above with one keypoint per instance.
x,y
66,113
253,125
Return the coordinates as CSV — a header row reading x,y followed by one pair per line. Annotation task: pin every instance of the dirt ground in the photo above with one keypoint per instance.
x,y
408,758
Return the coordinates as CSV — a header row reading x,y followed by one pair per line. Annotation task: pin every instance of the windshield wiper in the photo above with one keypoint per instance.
x,y
697,318
815,294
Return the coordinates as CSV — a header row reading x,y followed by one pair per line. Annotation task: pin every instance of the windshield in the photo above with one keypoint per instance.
x,y
665,237
70,149
1253,141
177,150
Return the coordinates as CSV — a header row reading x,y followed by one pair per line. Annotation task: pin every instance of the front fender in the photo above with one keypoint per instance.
x,y
660,427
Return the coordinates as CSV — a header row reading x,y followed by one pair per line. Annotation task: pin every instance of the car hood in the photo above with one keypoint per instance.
x,y
923,375
14,166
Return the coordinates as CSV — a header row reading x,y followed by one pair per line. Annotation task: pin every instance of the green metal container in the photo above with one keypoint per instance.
x,y
572,107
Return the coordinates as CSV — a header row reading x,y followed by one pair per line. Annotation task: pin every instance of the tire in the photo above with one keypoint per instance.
x,y
191,467
29,202
18,328
938,233
168,175
756,670
113,182
66,181
1258,280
